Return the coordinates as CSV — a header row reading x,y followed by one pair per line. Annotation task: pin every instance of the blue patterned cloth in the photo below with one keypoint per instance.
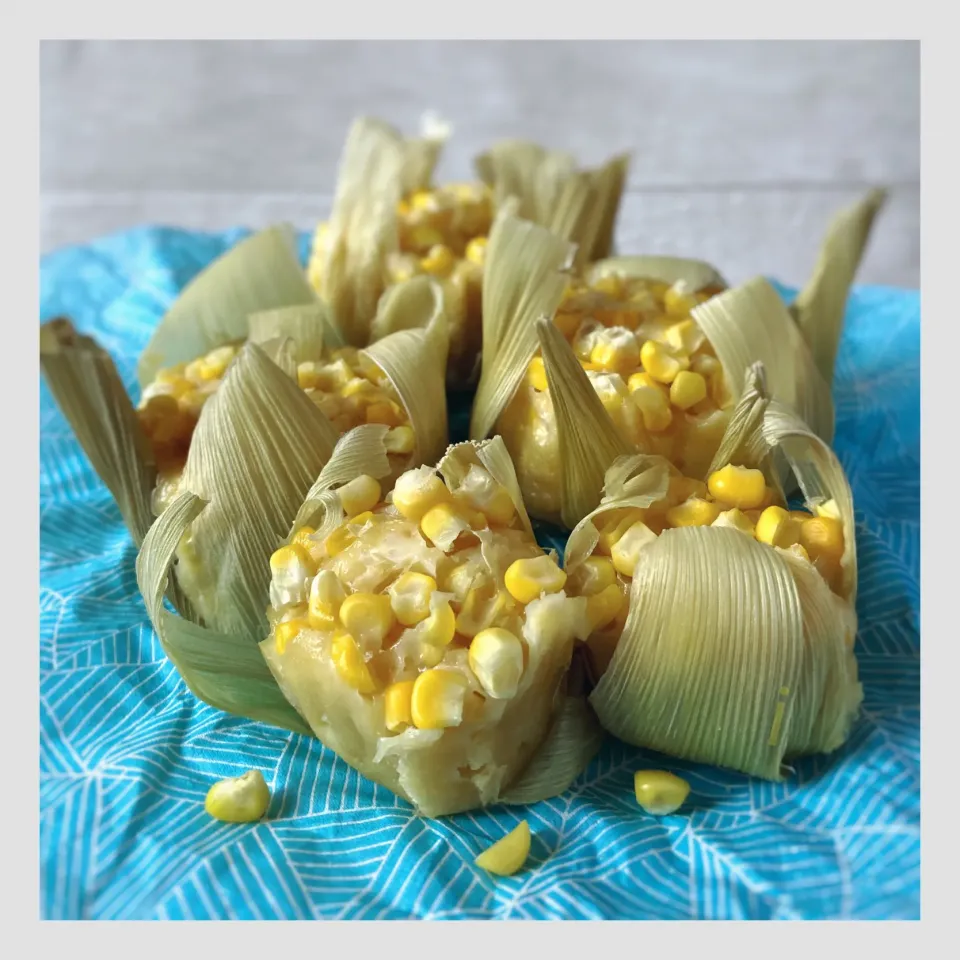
x,y
127,754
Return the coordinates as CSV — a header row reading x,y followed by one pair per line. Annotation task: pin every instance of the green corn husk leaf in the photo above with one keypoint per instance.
x,y
363,225
414,360
226,671
579,206
819,308
521,282
261,272
359,451
571,744
750,324
87,387
259,444
696,274
308,327
714,614
588,439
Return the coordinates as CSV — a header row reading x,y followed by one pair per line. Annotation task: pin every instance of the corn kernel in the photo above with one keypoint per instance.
x,y
423,237
626,551
603,607
439,261
359,495
481,607
410,597
687,390
537,375
777,528
437,699
441,525
483,493
214,365
386,412
339,540
286,632
654,408
741,487
422,200
476,250
326,596
660,793
302,538
439,627
592,576
799,551
828,508
399,440
679,299
416,491
242,799
567,323
396,705
508,854
368,617
661,361
527,579
496,657
736,520
613,528
685,336
822,536
350,664
610,284
707,366
616,349
291,567
693,512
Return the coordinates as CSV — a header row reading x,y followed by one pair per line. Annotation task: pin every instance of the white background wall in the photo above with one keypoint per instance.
x,y
742,151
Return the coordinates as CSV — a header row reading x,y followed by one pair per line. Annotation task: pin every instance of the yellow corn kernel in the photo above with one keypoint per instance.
x,y
616,349
654,408
215,363
741,487
326,596
508,854
439,261
822,536
368,617
496,657
437,699
737,520
687,390
680,488
410,597
291,566
302,538
416,491
660,793
777,528
661,361
613,528
611,285
350,664
439,627
386,412
603,607
242,799
339,540
626,551
483,493
399,440
481,607
476,251
679,299
685,336
693,512
422,200
441,525
527,579
396,705
567,323
707,366
537,375
828,508
423,237
360,520
799,551
592,576
286,632
359,495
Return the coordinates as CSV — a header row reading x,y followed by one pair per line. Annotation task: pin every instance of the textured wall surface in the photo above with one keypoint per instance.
x,y
742,151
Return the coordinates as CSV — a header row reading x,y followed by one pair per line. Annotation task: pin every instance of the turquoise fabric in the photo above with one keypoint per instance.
x,y
127,754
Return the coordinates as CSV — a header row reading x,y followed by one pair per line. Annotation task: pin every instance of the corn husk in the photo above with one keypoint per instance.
x,y
87,387
819,308
463,767
734,653
262,272
578,205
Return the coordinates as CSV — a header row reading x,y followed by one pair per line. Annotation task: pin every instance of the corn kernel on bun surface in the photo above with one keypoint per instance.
x,y
441,232
349,389
397,637
650,364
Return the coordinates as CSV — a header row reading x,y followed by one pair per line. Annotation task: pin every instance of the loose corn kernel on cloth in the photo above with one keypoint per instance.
x,y
127,753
